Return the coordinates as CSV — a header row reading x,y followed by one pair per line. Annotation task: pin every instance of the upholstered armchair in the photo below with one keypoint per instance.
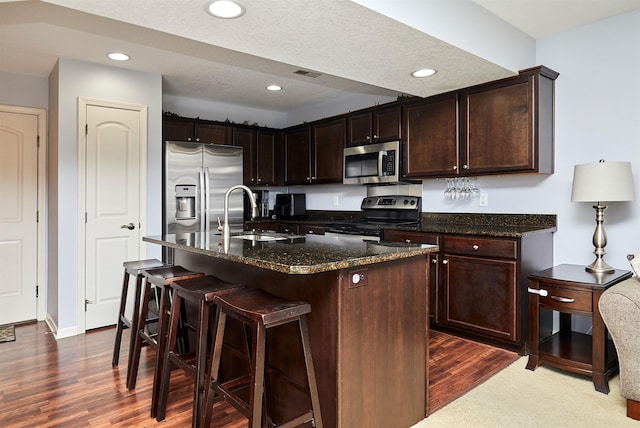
x,y
620,310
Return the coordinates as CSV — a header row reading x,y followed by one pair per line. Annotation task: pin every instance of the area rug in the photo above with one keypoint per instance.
x,y
7,333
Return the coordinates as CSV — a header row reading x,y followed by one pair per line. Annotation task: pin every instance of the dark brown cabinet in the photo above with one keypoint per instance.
x,y
179,129
507,125
212,133
431,137
176,129
501,127
313,154
261,156
297,146
375,125
478,284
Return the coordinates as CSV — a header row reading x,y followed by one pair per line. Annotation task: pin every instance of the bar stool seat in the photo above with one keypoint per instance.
x,y
162,279
260,311
133,268
202,292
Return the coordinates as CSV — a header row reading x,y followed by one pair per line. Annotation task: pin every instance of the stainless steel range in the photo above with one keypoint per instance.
x,y
379,212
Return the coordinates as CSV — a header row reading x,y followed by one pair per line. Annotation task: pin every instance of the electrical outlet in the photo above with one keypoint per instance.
x,y
484,200
336,200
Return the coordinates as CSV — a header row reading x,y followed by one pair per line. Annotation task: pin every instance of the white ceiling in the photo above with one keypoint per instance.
x,y
355,49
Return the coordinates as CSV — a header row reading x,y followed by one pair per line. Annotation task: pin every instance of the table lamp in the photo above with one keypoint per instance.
x,y
602,182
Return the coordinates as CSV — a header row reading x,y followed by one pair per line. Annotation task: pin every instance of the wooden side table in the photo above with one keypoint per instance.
x,y
569,289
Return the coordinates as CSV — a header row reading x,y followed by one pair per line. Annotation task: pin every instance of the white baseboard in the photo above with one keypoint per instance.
x,y
60,333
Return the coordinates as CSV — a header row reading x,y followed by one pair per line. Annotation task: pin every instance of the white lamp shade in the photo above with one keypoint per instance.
x,y
603,182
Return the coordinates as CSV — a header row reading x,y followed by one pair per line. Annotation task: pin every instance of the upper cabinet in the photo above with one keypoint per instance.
x,y
375,125
431,136
261,155
297,152
496,128
313,154
508,124
176,129
213,133
179,129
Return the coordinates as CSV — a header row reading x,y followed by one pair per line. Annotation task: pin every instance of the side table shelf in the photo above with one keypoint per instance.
x,y
569,289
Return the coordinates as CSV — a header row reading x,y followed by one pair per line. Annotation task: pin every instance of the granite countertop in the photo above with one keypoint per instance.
x,y
497,225
295,254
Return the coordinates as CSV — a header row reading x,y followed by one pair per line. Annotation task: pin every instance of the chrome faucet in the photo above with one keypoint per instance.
x,y
226,232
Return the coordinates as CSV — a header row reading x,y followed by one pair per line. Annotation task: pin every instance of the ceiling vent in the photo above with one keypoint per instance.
x,y
311,74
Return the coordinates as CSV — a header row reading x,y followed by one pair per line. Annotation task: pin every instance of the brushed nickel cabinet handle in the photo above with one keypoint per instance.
x,y
563,299
475,247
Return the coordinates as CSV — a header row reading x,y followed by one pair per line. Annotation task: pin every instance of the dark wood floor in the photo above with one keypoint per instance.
x,y
70,382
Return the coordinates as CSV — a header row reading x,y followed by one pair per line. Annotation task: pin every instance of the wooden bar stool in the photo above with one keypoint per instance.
x,y
259,311
131,268
200,291
162,279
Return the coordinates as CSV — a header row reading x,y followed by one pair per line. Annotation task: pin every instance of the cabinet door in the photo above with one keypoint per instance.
x,y
431,137
212,133
297,145
360,126
480,296
387,124
177,130
328,151
246,138
498,129
267,158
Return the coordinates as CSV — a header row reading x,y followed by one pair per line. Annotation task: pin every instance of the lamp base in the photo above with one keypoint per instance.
x,y
599,266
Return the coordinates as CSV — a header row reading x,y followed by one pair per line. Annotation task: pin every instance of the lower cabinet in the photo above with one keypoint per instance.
x,y
479,287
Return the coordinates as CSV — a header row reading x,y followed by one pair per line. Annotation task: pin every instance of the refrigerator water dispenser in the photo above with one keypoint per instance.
x,y
185,202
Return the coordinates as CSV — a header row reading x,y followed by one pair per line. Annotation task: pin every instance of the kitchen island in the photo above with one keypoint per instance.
x,y
368,325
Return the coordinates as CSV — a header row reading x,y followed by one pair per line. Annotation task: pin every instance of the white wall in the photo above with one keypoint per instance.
x,y
22,90
75,79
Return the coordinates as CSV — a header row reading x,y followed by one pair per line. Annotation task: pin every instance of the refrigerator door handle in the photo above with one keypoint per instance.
x,y
207,199
203,198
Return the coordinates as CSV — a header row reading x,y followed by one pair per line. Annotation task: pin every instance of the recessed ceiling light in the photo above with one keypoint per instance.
x,y
226,9
425,72
118,56
274,88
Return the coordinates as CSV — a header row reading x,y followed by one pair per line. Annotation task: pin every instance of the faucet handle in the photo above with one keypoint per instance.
x,y
219,224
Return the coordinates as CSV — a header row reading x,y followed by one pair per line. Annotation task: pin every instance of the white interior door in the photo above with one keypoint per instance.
x,y
18,216
112,201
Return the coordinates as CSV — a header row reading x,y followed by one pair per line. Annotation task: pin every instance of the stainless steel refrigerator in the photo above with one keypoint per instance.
x,y
196,177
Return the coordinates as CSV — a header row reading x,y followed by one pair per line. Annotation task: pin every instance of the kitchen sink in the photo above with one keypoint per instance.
x,y
261,237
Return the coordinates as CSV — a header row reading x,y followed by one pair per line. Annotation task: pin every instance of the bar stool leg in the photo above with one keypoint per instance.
x,y
311,374
120,325
163,314
166,365
132,373
135,319
216,353
257,386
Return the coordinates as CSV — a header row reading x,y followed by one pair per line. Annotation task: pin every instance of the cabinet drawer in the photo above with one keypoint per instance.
x,y
481,247
565,300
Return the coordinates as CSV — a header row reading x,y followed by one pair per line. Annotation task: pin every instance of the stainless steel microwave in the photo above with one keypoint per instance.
x,y
372,163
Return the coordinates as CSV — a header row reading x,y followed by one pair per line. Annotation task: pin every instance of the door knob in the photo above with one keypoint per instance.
x,y
129,226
